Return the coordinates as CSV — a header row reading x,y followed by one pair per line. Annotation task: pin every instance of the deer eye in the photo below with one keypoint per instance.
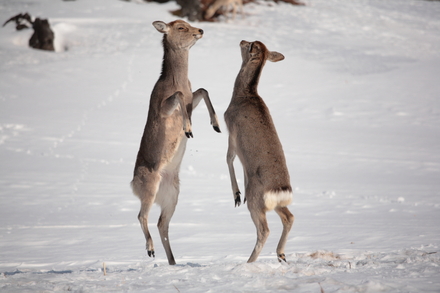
x,y
181,28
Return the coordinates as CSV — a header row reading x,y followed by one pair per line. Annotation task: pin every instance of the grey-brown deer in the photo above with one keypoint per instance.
x,y
253,137
156,172
225,4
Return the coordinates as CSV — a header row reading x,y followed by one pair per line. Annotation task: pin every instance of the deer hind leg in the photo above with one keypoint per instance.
x,y
197,97
260,221
145,187
287,219
163,225
167,199
170,104
143,220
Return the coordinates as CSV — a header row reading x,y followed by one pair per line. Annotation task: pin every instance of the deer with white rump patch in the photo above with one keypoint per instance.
x,y
253,137
156,172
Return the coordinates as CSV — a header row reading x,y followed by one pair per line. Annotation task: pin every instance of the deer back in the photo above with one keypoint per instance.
x,y
251,126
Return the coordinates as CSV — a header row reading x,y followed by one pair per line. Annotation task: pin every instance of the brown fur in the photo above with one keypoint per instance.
x,y
217,5
156,172
253,137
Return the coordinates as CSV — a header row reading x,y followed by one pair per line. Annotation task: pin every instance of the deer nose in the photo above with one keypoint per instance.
x,y
201,31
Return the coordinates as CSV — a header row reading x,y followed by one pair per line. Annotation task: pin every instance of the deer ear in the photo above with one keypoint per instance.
x,y
275,56
161,27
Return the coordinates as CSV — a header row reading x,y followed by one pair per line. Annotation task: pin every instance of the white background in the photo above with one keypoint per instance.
x,y
356,106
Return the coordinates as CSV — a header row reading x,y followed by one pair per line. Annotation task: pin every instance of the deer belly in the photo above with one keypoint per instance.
x,y
169,183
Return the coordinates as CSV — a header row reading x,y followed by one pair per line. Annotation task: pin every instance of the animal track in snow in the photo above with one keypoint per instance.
x,y
89,113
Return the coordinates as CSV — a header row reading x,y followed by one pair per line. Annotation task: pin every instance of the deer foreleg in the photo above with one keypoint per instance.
x,y
170,104
230,160
197,97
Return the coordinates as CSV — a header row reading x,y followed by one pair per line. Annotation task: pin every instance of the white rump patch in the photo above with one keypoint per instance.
x,y
273,199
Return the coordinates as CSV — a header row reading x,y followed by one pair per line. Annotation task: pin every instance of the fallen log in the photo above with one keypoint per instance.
x,y
43,36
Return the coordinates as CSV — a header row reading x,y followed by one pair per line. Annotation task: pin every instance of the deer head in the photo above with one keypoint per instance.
x,y
254,55
184,36
257,53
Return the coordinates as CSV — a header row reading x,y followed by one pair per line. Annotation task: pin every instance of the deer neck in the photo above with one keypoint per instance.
x,y
247,80
175,65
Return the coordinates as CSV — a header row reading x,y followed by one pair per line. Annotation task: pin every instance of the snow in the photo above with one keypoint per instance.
x,y
356,106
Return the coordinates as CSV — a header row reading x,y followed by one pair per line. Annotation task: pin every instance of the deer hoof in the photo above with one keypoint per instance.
x,y
150,253
216,128
282,257
189,134
237,199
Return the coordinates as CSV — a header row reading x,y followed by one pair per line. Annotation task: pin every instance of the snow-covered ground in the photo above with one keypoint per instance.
x,y
356,105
